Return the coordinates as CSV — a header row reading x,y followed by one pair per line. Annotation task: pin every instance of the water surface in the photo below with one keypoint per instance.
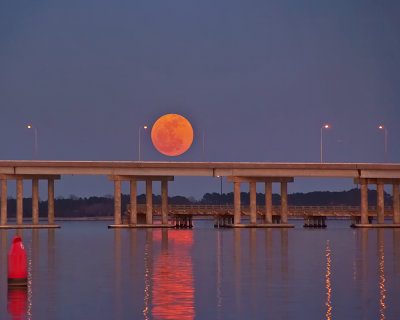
x,y
86,271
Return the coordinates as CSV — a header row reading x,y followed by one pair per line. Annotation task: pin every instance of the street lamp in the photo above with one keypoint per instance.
x,y
381,127
35,132
326,126
145,128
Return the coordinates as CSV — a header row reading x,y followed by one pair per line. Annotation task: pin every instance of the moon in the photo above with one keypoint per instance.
x,y
172,134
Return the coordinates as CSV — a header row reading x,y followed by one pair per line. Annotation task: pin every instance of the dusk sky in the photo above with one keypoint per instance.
x,y
259,78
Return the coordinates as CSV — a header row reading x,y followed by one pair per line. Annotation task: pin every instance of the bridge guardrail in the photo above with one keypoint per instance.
x,y
293,210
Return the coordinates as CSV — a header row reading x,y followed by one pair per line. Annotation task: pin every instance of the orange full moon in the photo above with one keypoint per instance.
x,y
172,134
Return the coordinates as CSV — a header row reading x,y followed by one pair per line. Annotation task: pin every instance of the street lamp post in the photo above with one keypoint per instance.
x,y
140,155
326,126
386,141
203,149
220,180
35,133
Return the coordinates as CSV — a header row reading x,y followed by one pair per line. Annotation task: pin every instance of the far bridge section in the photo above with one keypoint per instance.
x,y
181,216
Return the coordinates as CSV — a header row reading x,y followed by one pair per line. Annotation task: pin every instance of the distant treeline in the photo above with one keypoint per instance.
x,y
104,206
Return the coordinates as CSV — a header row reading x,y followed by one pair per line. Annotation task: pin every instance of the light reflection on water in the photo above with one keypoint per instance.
x,y
328,282
84,268
382,278
172,278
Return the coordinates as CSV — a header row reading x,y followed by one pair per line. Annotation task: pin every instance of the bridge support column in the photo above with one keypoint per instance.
x,y
253,203
269,218
149,202
284,205
3,220
396,204
364,203
19,201
133,200
35,201
380,204
50,201
133,218
236,200
117,202
268,202
164,201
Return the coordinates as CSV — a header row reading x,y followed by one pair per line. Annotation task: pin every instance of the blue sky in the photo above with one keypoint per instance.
x,y
259,78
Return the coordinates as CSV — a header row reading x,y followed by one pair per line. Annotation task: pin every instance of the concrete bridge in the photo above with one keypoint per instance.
x,y
236,173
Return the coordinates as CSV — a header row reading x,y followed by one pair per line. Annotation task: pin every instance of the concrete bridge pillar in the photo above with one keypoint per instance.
x,y
117,202
19,201
164,201
268,202
380,201
236,200
35,201
253,203
19,178
50,201
3,219
380,204
396,204
149,201
133,200
133,218
284,204
364,202
269,218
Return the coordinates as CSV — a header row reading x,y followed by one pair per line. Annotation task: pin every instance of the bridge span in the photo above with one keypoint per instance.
x,y
235,172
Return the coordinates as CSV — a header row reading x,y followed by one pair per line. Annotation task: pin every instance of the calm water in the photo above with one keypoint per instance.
x,y
86,271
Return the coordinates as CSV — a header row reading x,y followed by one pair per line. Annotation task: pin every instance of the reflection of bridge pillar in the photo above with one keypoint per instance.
x,y
19,201
268,202
364,266
284,205
35,201
238,268
396,204
117,202
3,220
396,250
164,201
364,202
149,202
380,204
164,240
117,273
236,200
285,250
253,203
133,207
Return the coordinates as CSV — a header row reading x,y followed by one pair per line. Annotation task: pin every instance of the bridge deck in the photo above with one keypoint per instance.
x,y
170,168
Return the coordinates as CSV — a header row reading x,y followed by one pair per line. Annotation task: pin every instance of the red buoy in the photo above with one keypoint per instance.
x,y
17,265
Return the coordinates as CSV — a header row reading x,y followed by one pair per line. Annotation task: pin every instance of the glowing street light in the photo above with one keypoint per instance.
x,y
145,128
381,127
326,126
35,132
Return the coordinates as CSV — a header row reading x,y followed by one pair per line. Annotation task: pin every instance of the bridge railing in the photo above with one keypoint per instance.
x,y
341,210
